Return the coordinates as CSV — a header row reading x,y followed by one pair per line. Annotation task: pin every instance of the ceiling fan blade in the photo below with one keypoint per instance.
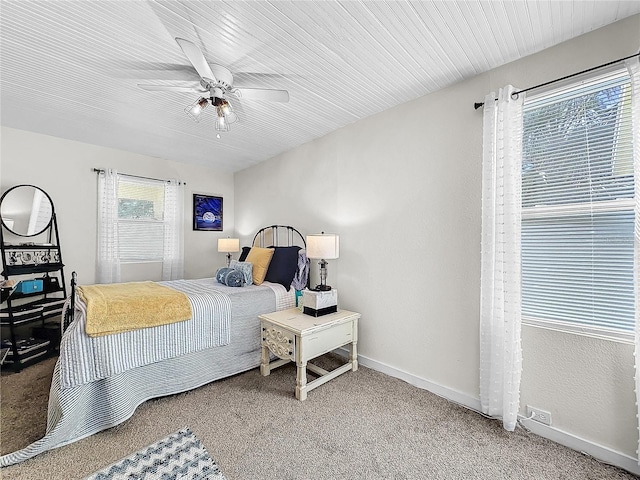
x,y
249,78
263,94
196,57
152,71
155,66
173,88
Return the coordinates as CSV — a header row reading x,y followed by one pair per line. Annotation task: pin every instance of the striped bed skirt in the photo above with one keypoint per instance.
x,y
78,412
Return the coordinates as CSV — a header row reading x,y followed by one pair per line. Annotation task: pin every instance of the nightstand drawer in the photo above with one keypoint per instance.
x,y
328,339
280,342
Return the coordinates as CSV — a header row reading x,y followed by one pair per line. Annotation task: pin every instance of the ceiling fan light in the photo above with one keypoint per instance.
x,y
231,118
221,124
195,109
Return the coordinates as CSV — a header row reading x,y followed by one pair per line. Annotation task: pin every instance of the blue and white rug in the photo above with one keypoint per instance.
x,y
180,456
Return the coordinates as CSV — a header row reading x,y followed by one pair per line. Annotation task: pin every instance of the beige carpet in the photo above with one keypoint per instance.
x,y
361,425
23,407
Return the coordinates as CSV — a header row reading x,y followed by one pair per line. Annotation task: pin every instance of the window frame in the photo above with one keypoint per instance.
x,y
142,222
574,209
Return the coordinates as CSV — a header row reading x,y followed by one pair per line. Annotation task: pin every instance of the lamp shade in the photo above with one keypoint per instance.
x,y
228,245
323,245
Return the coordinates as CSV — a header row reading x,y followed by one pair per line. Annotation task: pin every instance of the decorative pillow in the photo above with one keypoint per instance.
x,y
246,268
243,255
283,266
221,273
234,278
301,277
260,258
230,277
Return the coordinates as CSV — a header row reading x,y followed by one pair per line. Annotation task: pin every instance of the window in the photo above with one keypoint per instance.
x,y
140,220
578,208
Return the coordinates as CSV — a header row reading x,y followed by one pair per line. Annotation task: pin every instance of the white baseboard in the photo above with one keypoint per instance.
x,y
445,392
599,452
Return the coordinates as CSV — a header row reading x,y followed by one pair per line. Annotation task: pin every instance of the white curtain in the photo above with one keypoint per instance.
x,y
633,66
173,258
108,264
500,349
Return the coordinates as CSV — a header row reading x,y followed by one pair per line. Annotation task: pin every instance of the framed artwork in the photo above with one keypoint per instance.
x,y
207,212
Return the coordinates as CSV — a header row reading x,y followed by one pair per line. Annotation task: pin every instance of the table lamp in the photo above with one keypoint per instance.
x,y
228,245
323,246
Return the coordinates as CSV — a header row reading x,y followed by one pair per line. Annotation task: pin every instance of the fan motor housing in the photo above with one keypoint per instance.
x,y
223,76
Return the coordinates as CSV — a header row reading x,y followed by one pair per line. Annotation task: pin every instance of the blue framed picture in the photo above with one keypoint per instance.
x,y
207,212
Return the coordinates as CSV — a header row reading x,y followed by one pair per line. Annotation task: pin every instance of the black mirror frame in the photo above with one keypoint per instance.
x,y
53,211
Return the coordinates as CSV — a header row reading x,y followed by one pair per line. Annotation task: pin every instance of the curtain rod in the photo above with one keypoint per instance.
x,y
101,170
477,105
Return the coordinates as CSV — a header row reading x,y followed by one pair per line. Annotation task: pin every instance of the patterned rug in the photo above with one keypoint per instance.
x,y
180,456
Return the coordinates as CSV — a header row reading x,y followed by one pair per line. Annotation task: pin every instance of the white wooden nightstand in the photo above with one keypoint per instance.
x,y
296,337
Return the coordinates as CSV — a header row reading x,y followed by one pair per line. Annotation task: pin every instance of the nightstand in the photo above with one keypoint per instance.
x,y
295,337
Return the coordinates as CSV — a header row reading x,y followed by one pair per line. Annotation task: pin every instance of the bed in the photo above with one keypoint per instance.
x,y
108,379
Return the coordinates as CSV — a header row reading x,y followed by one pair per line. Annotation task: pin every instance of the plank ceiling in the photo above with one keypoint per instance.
x,y
71,69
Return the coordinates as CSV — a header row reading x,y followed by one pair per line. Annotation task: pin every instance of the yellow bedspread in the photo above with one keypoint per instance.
x,y
122,307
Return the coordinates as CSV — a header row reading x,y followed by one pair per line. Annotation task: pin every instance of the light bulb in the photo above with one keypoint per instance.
x,y
221,124
196,108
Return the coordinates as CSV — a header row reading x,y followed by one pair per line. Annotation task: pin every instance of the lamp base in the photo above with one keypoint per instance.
x,y
318,313
317,303
322,288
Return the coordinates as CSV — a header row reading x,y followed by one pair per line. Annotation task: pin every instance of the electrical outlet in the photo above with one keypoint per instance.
x,y
539,415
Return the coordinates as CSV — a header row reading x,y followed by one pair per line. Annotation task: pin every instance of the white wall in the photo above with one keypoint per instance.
x,y
402,189
64,169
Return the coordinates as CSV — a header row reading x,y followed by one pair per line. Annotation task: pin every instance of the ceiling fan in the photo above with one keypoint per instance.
x,y
216,83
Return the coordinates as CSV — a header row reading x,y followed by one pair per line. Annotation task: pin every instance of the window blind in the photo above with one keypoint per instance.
x,y
140,219
577,199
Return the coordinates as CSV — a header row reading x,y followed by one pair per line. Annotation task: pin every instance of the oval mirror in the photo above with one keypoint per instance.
x,y
26,210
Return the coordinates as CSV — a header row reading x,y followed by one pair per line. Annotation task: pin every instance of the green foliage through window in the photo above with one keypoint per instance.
x,y
577,199
135,209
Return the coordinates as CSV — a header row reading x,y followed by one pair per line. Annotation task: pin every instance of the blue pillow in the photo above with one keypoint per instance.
x,y
283,266
230,277
221,273
246,268
243,255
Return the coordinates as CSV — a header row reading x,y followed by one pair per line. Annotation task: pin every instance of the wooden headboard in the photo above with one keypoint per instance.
x,y
279,236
